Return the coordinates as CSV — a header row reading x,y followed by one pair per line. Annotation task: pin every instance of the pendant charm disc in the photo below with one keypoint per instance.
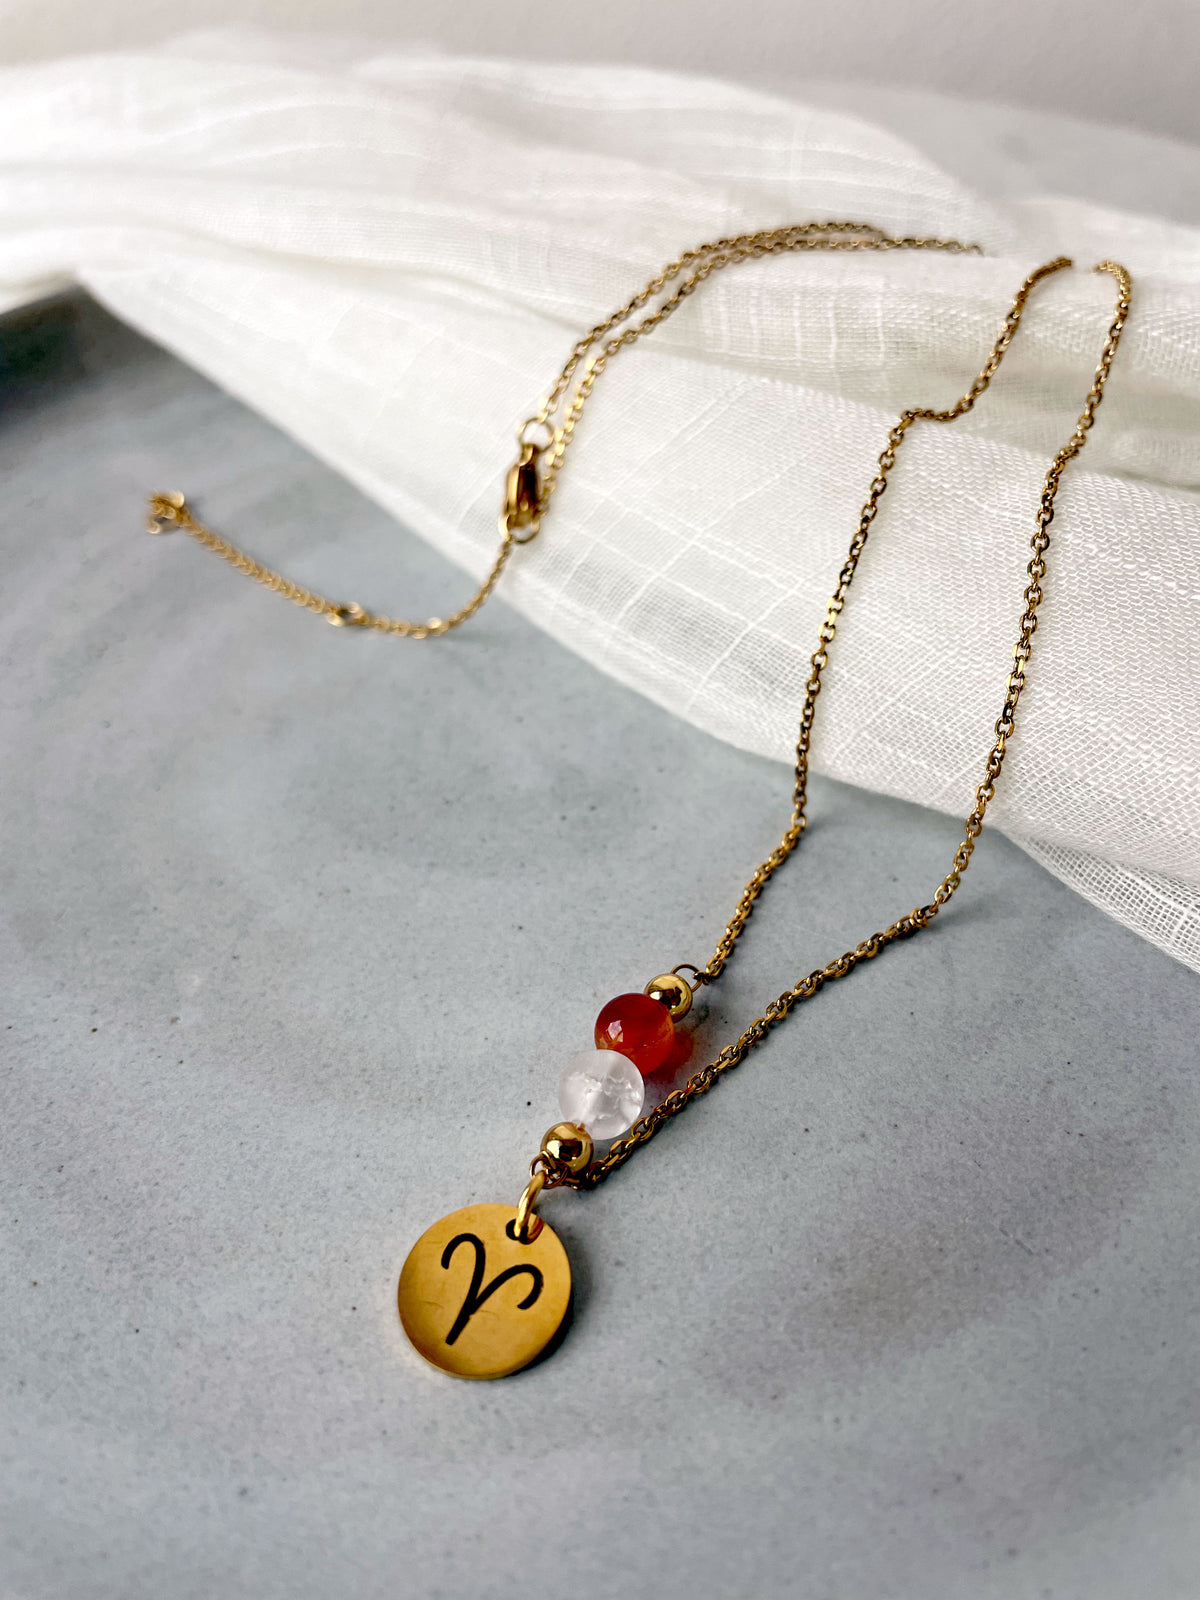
x,y
478,1303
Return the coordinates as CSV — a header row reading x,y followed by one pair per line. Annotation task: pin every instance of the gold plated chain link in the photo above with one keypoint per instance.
x,y
173,511
543,441
687,272
700,1082
532,478
837,600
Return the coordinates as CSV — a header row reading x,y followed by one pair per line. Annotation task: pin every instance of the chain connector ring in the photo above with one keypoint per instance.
x,y
347,616
528,1224
547,433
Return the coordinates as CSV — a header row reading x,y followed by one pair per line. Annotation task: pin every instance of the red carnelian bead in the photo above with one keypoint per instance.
x,y
640,1028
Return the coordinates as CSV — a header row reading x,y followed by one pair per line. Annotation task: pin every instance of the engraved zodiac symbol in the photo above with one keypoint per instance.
x,y
477,1294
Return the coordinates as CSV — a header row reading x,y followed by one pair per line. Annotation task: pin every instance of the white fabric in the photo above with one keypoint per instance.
x,y
391,256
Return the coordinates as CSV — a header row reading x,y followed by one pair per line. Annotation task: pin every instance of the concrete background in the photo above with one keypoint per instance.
x,y
298,928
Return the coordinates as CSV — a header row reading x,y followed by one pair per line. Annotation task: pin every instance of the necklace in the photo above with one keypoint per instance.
x,y
486,1290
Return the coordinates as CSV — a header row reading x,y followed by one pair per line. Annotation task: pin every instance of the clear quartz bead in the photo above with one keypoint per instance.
x,y
602,1090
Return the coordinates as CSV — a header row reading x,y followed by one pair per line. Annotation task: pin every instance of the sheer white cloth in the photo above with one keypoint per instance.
x,y
390,257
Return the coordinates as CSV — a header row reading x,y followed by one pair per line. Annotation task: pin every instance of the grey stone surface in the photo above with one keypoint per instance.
x,y
299,926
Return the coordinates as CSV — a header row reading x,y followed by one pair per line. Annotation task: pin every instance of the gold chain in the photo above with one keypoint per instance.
x,y
531,483
532,479
692,269
557,1175
173,511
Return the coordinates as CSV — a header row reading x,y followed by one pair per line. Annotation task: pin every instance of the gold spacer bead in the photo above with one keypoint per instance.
x,y
674,992
569,1145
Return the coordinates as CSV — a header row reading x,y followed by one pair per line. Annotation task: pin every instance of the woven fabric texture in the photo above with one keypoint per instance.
x,y
390,257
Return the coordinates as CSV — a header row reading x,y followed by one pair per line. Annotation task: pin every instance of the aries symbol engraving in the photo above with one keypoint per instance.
x,y
477,1294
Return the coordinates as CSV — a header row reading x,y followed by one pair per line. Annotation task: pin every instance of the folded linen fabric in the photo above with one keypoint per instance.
x,y
390,256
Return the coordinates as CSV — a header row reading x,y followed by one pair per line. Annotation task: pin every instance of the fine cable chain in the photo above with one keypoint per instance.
x,y
707,259
530,487
555,1174
531,483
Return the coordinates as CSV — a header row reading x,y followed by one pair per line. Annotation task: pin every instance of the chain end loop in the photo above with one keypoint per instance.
x,y
166,511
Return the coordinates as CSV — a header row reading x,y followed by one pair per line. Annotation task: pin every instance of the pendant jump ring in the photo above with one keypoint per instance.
x,y
528,1224
688,966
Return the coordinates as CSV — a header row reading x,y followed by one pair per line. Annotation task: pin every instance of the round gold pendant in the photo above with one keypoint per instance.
x,y
478,1303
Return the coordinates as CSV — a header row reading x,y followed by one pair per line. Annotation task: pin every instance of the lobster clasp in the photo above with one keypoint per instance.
x,y
523,495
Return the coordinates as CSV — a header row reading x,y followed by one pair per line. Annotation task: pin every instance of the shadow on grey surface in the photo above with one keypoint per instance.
x,y
299,925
